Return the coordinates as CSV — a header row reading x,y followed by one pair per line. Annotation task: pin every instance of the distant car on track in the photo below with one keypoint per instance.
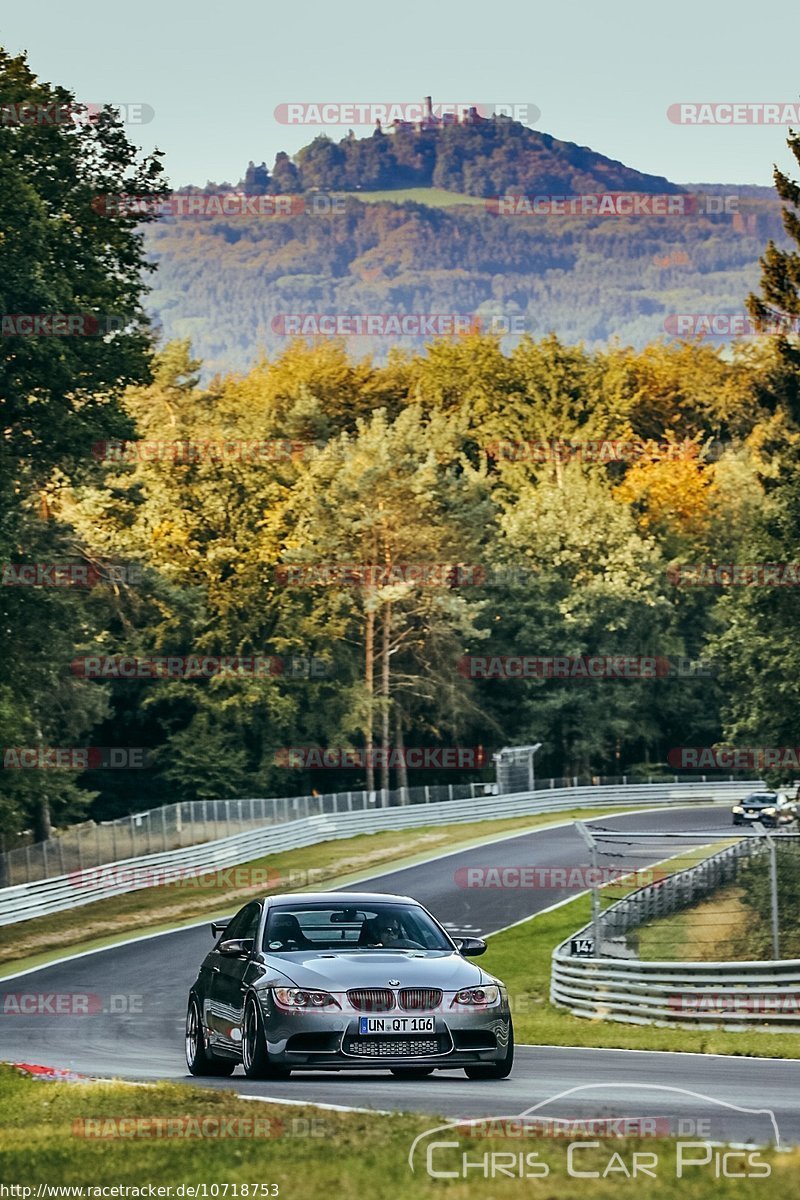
x,y
345,981
772,809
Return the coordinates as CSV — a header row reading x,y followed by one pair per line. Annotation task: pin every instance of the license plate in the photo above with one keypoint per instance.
x,y
396,1025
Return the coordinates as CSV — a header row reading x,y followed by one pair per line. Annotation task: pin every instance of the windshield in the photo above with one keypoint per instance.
x,y
760,798
374,927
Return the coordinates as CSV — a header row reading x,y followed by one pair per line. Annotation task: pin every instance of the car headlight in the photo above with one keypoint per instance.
x,y
737,808
479,997
770,812
299,998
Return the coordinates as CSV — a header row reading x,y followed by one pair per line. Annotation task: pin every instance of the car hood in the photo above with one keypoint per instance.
x,y
337,972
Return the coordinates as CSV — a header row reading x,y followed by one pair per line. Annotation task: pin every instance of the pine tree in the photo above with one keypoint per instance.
x,y
777,308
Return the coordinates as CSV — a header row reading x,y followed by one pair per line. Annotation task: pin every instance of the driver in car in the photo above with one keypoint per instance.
x,y
389,933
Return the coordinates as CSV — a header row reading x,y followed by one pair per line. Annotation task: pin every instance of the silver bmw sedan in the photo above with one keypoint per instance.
x,y
344,981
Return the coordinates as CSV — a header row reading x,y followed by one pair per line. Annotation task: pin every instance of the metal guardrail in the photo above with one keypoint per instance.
x,y
717,995
730,995
191,822
71,890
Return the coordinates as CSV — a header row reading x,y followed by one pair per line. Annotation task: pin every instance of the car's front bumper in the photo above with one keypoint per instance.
x,y
334,1041
782,821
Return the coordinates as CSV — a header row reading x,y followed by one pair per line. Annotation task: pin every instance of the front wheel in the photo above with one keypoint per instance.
x,y
497,1070
255,1056
198,1060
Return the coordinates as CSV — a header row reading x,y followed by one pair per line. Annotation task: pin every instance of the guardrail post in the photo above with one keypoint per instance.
x,y
592,844
163,827
427,794
773,888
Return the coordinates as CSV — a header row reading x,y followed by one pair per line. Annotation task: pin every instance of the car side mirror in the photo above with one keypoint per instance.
x,y
237,947
471,946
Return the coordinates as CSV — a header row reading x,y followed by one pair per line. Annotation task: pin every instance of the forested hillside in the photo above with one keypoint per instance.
x,y
228,284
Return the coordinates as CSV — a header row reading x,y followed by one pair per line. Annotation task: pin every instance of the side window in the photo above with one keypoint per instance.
x,y
250,918
244,924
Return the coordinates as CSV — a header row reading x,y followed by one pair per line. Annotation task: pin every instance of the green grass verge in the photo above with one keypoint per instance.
x,y
306,1152
326,864
715,929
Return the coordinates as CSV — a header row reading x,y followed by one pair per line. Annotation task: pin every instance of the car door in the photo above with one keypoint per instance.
x,y
230,977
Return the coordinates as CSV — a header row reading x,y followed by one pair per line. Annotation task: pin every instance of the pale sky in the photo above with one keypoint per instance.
x,y
602,74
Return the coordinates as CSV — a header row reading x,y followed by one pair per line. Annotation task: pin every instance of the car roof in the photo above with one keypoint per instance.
x,y
351,899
